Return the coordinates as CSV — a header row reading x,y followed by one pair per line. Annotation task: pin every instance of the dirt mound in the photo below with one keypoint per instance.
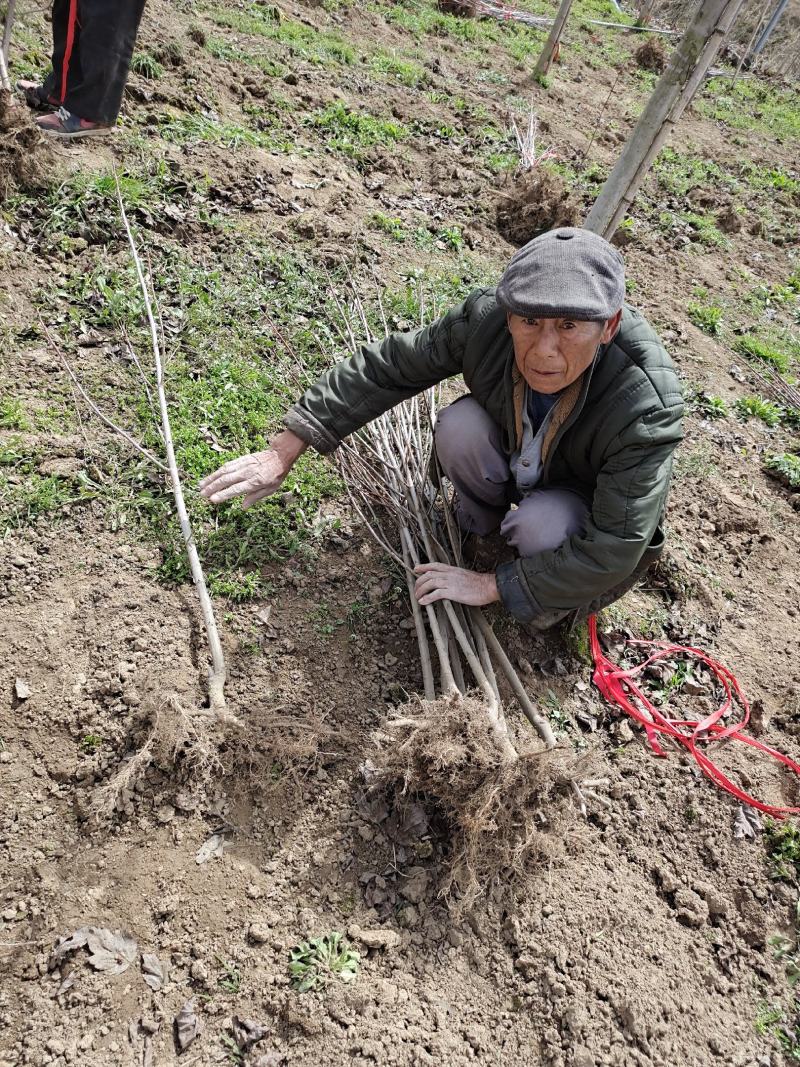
x,y
650,55
539,201
500,817
465,8
23,153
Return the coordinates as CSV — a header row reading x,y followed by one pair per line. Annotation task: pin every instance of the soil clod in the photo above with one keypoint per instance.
x,y
539,201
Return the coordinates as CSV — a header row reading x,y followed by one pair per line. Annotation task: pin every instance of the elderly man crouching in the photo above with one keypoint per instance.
x,y
564,442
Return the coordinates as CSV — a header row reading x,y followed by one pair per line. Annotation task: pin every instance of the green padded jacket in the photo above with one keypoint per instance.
x,y
615,431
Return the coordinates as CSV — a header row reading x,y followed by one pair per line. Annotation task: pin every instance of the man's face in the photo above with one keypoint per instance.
x,y
553,353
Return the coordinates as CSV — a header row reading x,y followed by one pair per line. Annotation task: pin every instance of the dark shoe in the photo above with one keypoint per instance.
x,y
36,96
65,126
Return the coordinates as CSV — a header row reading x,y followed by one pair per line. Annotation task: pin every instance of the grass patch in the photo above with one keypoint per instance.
x,y
352,133
391,67
707,317
193,129
317,46
752,104
12,415
221,49
85,205
146,66
754,348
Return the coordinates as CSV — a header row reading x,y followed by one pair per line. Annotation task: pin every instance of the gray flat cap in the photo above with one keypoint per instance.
x,y
565,273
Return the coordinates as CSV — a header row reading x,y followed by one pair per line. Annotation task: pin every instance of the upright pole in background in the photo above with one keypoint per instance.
x,y
695,53
550,50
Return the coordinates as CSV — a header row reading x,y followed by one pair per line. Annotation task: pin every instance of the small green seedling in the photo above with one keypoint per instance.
x,y
759,408
707,317
230,979
313,963
785,467
783,842
91,742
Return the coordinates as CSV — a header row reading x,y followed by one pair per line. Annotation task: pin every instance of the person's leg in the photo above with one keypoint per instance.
x,y
51,86
469,450
108,31
544,519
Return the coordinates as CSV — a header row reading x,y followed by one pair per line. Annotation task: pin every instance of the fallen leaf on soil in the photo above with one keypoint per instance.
x,y
247,1033
215,846
747,822
69,944
147,1053
111,952
187,1026
154,971
68,983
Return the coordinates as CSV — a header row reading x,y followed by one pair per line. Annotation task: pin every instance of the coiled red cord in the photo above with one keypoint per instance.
x,y
618,687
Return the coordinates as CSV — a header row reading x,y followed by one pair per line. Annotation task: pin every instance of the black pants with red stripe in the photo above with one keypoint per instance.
x,y
93,42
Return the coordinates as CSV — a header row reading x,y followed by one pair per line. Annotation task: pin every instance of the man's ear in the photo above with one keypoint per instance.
x,y
611,327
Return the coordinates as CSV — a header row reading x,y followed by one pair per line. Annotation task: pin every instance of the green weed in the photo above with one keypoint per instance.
x,y
312,964
187,129
783,844
351,132
315,45
391,67
378,220
757,407
753,104
146,65
706,405
707,317
785,467
763,350
230,978
12,415
91,742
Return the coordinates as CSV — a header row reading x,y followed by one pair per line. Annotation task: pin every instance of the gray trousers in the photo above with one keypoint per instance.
x,y
469,450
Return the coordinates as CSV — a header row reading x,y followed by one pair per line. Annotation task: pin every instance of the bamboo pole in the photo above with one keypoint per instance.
x,y
550,50
676,87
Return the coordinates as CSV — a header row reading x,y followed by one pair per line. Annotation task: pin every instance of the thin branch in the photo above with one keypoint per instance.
x,y
218,671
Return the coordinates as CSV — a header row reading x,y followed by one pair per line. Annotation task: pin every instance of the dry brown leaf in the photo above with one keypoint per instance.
x,y
154,971
187,1026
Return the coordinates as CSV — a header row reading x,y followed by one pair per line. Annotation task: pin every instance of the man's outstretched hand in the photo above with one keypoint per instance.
x,y
255,476
439,581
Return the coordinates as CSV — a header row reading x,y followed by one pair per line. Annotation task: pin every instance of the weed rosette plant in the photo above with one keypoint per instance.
x,y
312,964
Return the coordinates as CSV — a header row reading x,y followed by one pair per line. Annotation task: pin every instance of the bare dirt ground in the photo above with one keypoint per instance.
x,y
648,939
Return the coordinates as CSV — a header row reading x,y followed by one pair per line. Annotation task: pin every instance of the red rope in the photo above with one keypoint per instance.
x,y
618,687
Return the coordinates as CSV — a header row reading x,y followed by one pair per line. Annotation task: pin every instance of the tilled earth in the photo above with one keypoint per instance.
x,y
650,938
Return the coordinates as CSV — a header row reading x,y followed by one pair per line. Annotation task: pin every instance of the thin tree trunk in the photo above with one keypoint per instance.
x,y
694,55
550,50
9,22
218,671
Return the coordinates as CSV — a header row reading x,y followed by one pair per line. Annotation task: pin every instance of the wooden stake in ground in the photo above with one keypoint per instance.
x,y
675,89
550,50
218,672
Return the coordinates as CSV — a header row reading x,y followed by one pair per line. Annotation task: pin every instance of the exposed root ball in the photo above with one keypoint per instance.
x,y
500,817
539,201
23,151
176,737
651,55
